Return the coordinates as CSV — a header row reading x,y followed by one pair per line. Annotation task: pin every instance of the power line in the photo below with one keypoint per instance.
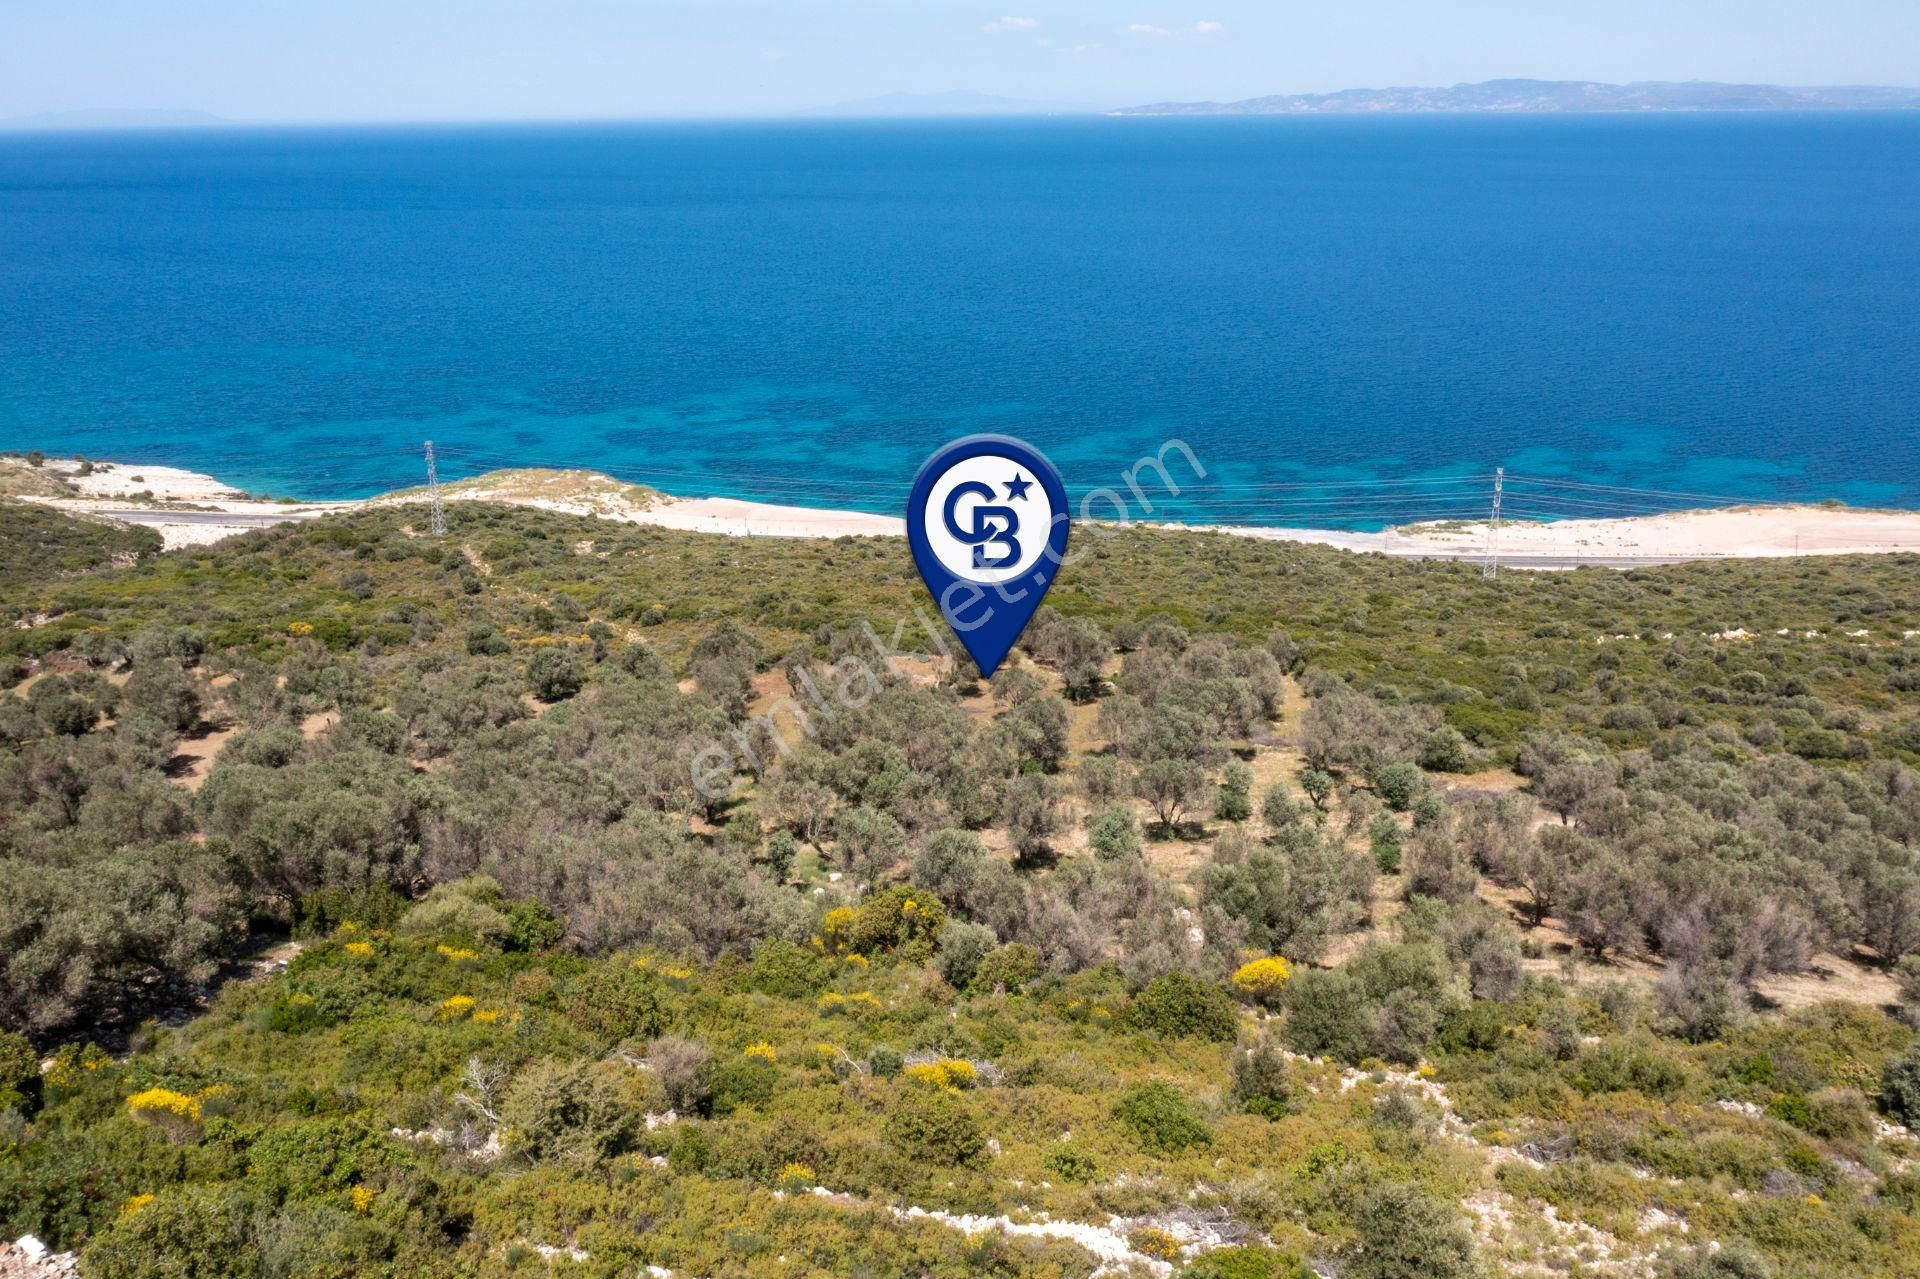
x,y
1642,492
1492,567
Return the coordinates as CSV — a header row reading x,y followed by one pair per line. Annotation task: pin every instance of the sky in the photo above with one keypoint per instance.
x,y
367,60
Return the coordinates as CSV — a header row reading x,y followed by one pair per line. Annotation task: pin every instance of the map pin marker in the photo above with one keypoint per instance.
x,y
988,524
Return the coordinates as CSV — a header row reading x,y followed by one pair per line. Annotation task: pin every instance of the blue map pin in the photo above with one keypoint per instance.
x,y
988,524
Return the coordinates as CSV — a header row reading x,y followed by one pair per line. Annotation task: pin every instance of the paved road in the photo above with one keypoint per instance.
x,y
1558,561
219,519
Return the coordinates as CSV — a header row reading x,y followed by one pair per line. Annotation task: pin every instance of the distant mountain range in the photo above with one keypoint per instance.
x,y
113,118
957,102
1522,96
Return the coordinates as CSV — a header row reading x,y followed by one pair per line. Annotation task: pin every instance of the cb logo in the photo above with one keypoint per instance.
x,y
992,526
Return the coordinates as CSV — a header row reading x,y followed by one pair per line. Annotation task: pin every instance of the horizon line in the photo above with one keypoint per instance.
x,y
25,122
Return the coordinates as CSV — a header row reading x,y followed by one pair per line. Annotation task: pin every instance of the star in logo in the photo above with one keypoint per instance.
x,y
1017,487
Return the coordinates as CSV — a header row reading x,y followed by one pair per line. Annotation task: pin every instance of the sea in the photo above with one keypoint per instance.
x,y
1314,322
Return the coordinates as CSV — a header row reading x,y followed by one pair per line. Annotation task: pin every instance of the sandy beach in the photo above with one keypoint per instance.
x,y
188,508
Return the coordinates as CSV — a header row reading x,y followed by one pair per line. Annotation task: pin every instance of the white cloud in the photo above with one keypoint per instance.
x,y
1011,24
1208,29
1147,29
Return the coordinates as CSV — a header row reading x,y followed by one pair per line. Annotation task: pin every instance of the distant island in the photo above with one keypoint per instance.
x,y
1528,96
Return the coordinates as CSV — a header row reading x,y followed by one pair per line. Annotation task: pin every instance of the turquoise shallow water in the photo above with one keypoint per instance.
x,y
1348,321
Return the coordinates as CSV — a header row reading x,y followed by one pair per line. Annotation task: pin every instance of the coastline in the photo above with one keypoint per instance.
x,y
189,508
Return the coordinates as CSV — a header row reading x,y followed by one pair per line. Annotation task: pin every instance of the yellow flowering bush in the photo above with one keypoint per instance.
x,y
900,918
135,1204
1155,1242
763,1050
952,1073
71,1065
362,1197
796,1177
163,1101
299,628
673,974
835,927
860,1003
359,949
174,1113
457,953
455,1007
1262,980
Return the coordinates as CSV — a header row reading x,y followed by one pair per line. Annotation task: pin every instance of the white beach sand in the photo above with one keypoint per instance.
x,y
114,490
162,483
182,506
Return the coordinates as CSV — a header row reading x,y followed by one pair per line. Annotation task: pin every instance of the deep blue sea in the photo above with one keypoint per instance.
x,y
1346,320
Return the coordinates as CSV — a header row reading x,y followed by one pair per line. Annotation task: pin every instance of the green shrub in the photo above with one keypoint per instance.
x,y
65,1187
1405,1233
374,906
1446,751
1398,785
1904,735
1384,838
1234,803
1640,1064
19,1073
1329,1015
1734,1261
1182,1007
1163,1121
316,1156
1246,1261
900,918
616,1001
1262,1085
531,927
691,1152
574,1113
468,910
960,949
1791,1108
743,1082
781,850
935,1126
787,971
1113,834
1070,1162
293,1013
1900,1087
197,1231
1010,967
553,674
1479,1027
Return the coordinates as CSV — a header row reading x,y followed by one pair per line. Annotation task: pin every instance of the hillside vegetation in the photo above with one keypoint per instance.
x,y
1277,909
